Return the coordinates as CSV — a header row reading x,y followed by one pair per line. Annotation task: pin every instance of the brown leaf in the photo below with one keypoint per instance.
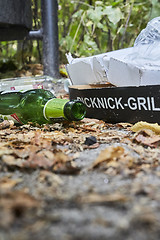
x,y
10,160
44,159
18,198
97,198
64,164
91,121
148,138
7,183
144,125
93,146
49,177
15,205
144,215
5,151
124,125
109,154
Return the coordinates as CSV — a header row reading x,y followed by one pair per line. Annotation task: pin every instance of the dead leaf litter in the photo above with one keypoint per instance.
x,y
68,171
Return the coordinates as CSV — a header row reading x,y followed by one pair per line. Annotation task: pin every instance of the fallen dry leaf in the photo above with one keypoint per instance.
x,y
144,125
97,198
109,154
148,138
44,159
144,215
50,178
11,160
91,121
15,205
124,125
5,151
18,199
64,164
117,160
95,145
8,183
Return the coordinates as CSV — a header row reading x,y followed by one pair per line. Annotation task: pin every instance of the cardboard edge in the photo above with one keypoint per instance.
x,y
91,86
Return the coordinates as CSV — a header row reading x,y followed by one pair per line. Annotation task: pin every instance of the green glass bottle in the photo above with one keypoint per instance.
x,y
39,106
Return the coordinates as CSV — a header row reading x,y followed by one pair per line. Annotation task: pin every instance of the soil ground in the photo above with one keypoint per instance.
x,y
53,185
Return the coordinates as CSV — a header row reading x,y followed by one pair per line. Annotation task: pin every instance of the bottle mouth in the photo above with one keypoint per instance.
x,y
75,110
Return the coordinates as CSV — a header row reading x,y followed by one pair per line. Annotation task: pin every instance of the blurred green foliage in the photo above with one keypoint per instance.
x,y
92,27
86,28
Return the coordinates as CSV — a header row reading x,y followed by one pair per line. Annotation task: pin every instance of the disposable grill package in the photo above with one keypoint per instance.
x,y
122,85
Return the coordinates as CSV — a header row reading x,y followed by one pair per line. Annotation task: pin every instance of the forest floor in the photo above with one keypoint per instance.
x,y
84,180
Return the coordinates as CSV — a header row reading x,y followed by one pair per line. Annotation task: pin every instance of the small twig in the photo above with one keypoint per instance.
x,y
126,25
77,31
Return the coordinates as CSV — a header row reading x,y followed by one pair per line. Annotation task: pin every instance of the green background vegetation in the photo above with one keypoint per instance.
x,y
86,28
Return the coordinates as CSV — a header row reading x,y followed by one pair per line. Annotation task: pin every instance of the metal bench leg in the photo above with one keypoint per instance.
x,y
49,10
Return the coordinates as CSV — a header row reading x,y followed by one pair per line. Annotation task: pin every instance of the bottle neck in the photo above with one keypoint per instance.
x,y
54,108
64,109
74,110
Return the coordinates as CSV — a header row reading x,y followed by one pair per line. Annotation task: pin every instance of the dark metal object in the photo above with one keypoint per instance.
x,y
15,19
16,23
90,140
49,10
49,35
38,34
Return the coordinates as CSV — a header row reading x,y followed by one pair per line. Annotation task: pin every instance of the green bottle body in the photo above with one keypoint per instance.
x,y
39,106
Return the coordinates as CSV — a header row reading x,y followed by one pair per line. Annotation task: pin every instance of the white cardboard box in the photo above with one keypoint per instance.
x,y
94,69
113,67
123,74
